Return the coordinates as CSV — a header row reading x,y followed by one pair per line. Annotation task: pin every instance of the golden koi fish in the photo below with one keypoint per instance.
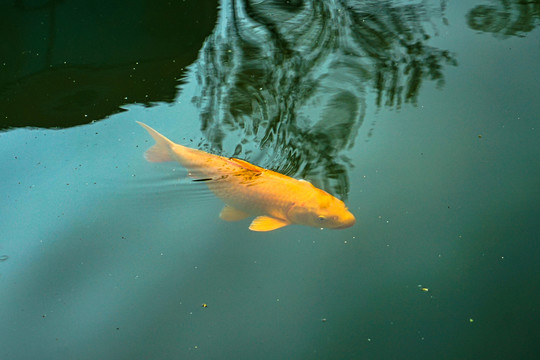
x,y
249,190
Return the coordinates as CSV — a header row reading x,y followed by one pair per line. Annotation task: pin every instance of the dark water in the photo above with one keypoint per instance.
x,y
423,116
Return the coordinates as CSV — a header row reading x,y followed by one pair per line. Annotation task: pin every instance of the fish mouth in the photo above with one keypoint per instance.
x,y
350,221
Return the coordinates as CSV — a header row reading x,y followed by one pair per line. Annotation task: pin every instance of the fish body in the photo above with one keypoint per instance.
x,y
249,190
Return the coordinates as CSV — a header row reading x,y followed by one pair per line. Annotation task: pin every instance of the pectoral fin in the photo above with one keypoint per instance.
x,y
230,213
267,223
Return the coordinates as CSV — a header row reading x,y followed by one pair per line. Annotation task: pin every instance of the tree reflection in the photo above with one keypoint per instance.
x,y
67,63
292,77
506,17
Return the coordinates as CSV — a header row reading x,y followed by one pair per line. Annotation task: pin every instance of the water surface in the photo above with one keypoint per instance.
x,y
422,117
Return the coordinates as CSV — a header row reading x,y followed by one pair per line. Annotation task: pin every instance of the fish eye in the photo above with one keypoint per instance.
x,y
321,218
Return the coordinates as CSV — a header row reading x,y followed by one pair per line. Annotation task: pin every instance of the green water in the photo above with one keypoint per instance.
x,y
423,117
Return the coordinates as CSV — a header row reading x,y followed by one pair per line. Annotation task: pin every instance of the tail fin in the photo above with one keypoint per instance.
x,y
161,151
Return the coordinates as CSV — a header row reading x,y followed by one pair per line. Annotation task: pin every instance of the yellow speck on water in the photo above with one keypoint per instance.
x,y
471,320
204,305
425,289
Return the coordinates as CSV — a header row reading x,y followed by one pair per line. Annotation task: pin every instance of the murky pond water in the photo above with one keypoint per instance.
x,y
423,117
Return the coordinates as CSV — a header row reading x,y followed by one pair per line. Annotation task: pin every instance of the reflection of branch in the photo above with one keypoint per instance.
x,y
506,17
395,40
291,78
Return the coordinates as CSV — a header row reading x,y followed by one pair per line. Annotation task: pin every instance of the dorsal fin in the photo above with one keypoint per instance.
x,y
306,182
247,165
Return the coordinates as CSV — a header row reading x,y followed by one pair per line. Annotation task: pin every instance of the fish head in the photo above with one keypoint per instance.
x,y
322,211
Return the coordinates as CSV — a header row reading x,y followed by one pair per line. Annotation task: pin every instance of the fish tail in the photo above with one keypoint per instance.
x,y
161,151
